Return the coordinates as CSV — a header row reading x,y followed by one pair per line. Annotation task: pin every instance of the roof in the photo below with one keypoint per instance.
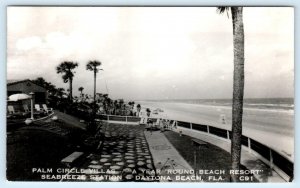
x,y
11,82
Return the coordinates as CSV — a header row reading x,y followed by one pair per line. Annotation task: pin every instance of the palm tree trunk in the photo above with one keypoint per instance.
x,y
95,85
71,89
238,88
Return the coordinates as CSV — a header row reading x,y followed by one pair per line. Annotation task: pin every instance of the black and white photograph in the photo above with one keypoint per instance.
x,y
150,94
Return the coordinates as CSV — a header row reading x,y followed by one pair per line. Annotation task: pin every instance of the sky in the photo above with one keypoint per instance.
x,y
153,52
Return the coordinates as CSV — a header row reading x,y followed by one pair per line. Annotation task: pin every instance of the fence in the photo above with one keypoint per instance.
x,y
276,161
128,119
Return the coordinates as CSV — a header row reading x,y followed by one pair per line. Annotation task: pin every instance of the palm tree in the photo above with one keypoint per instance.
x,y
238,85
80,89
131,106
138,108
66,68
148,112
93,66
115,107
121,106
108,101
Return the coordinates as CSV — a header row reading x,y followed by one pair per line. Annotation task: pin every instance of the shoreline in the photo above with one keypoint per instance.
x,y
290,111
273,128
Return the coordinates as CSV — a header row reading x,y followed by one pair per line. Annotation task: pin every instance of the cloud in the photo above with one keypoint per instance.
x,y
28,43
153,52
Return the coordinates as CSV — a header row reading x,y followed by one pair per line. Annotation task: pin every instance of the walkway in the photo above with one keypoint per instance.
x,y
123,156
166,158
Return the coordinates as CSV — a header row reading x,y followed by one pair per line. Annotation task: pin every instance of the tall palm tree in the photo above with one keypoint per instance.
x,y
238,85
80,89
66,69
93,66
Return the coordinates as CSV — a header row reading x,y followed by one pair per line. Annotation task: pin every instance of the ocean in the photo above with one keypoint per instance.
x,y
268,120
258,103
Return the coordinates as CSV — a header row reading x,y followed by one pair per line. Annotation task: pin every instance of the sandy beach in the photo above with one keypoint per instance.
x,y
273,127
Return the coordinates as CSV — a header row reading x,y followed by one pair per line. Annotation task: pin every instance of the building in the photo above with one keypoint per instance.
x,y
27,86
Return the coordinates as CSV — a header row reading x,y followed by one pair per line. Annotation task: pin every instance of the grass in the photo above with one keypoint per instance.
x,y
207,158
34,149
39,147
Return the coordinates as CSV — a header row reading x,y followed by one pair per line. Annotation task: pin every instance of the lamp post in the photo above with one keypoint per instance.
x,y
31,100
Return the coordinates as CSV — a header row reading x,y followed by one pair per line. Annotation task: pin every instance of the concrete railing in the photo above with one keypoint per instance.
x,y
283,165
127,119
277,161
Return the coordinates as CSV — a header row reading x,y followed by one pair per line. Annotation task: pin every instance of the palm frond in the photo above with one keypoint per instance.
x,y
65,68
65,78
223,9
92,65
80,89
89,67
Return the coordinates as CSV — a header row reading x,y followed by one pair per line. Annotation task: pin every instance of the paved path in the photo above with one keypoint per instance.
x,y
166,158
124,156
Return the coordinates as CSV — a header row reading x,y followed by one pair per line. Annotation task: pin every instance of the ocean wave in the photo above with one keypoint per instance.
x,y
260,103
260,108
